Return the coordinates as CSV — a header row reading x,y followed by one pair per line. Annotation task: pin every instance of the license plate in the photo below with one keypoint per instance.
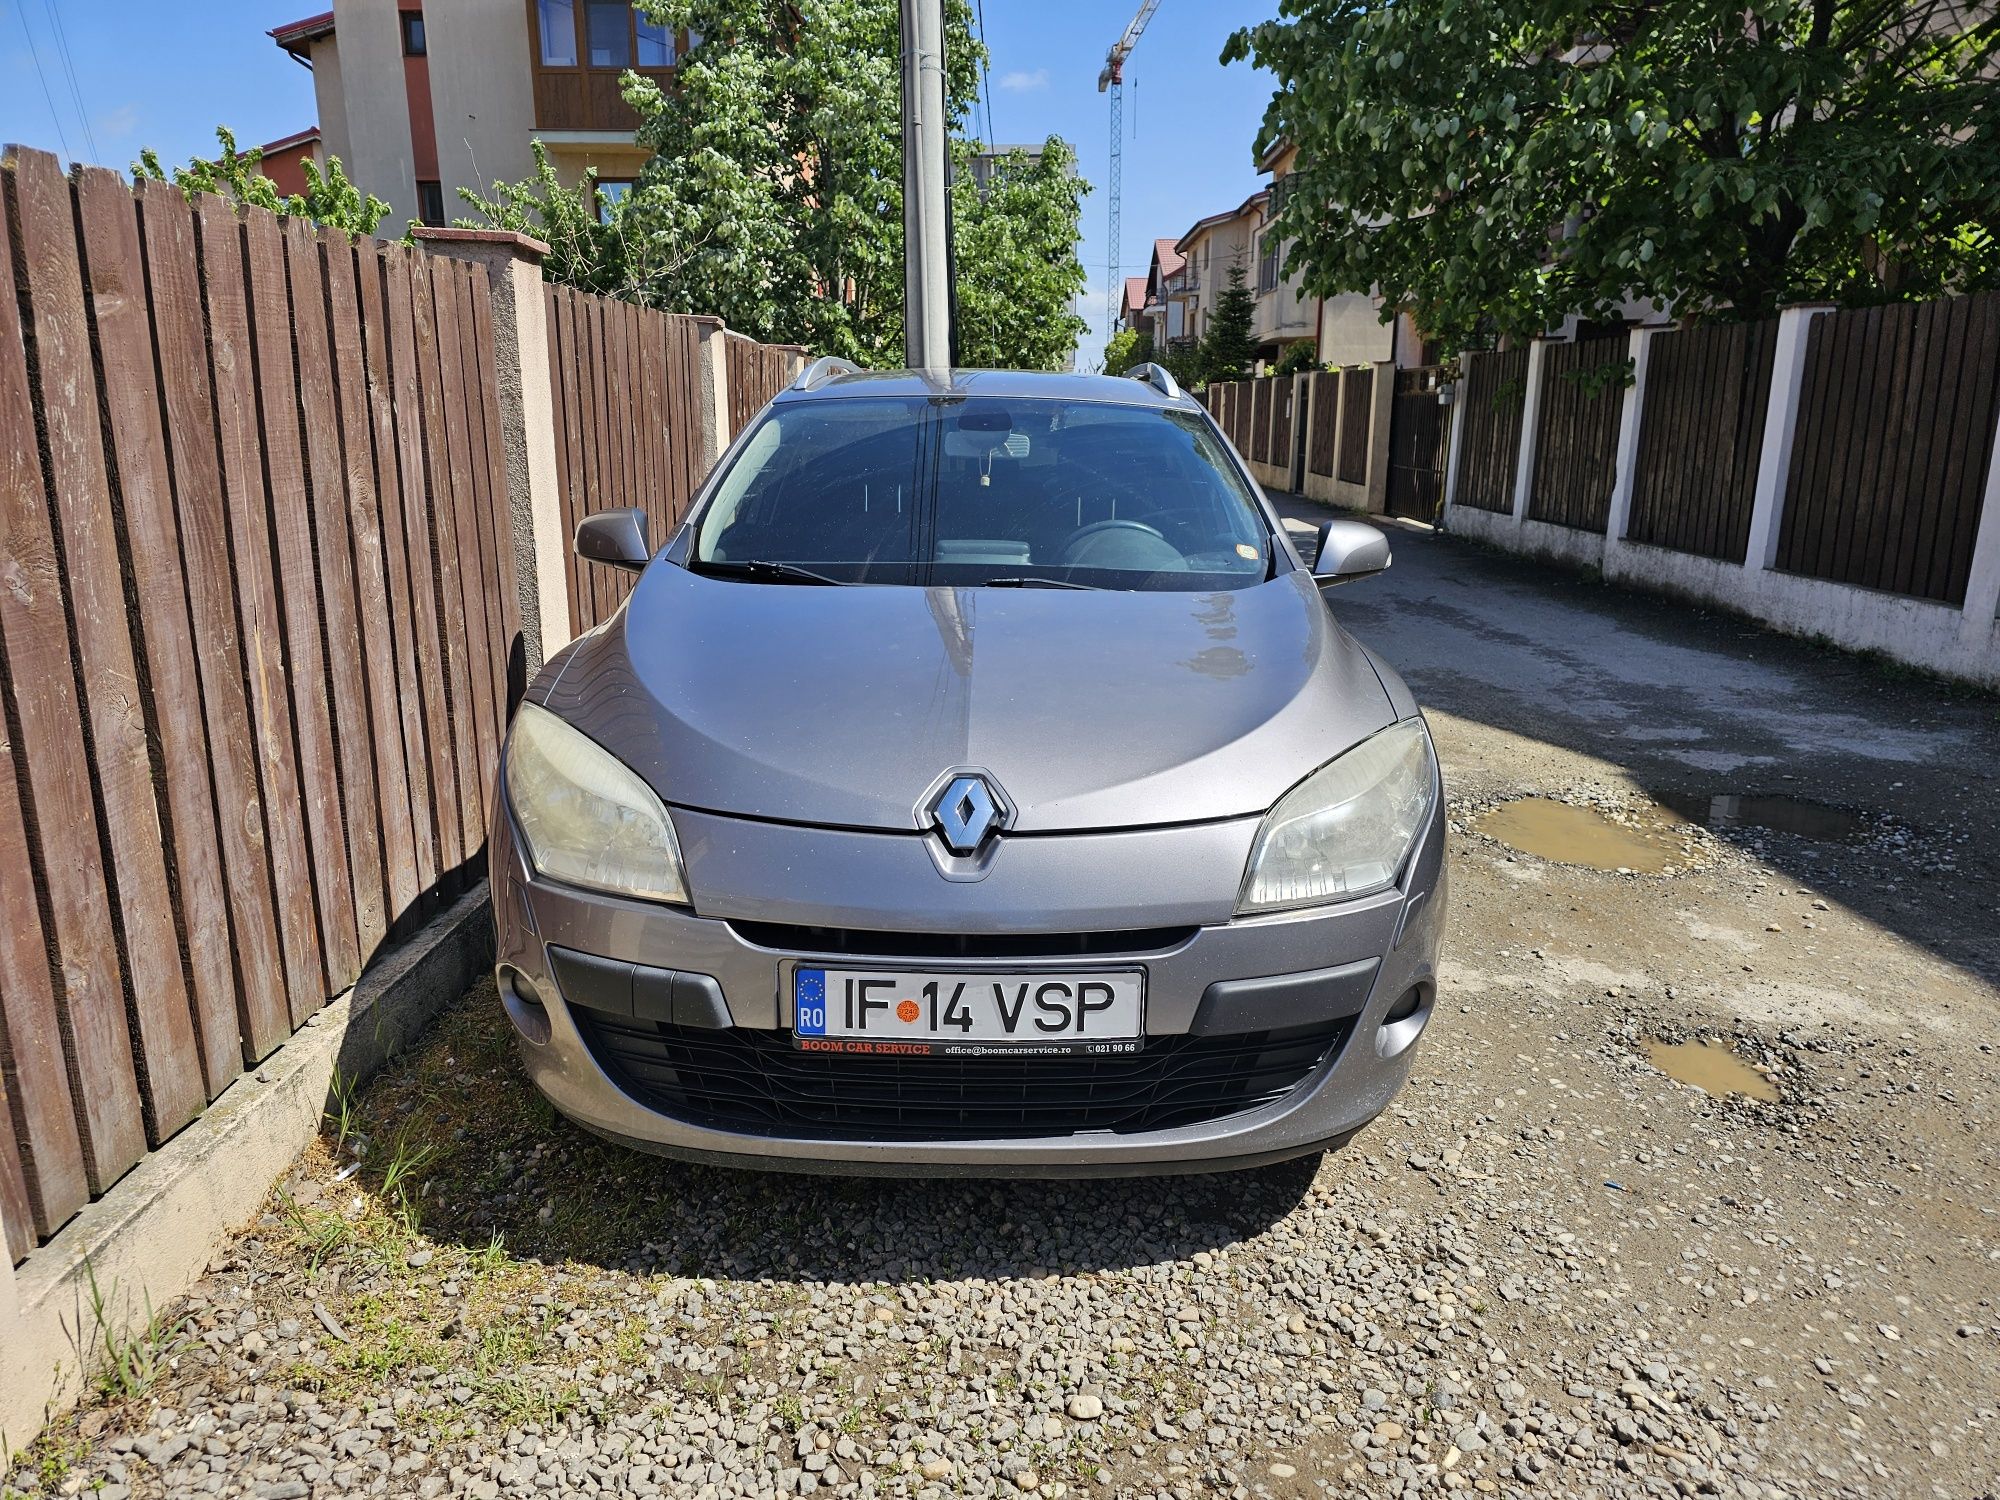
x,y
885,1012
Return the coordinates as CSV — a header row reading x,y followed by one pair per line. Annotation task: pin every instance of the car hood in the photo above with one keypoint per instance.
x,y
1091,709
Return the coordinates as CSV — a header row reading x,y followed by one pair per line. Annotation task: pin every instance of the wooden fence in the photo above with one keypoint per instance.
x,y
1320,456
1357,396
1495,398
1260,421
1700,431
757,372
255,641
259,623
1889,457
628,410
1576,444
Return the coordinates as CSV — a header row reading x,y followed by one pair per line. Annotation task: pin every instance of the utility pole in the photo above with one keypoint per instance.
x,y
926,250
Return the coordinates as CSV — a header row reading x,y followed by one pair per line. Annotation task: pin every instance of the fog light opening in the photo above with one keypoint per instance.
x,y
523,1004
1404,1021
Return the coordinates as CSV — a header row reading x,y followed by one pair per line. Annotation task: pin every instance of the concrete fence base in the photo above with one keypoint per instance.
x,y
144,1242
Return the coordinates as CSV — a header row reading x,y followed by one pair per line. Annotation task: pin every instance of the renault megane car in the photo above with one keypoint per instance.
x,y
977,782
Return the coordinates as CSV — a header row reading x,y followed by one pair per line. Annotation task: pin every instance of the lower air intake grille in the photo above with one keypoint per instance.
x,y
755,1082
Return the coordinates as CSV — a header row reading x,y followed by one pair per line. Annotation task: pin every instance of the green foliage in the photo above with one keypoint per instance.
x,y
1298,358
775,198
1014,244
1521,160
1185,365
585,252
1229,348
329,199
1128,348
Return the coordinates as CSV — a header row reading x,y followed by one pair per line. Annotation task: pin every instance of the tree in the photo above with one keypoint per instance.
x,y
329,198
1014,245
776,197
585,251
1298,358
1496,167
1229,348
1129,348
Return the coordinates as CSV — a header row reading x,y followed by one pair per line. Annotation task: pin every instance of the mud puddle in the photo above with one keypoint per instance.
x,y
1574,835
1795,815
1710,1067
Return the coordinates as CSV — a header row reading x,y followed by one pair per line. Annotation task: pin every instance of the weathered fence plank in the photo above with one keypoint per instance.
x,y
1576,449
247,517
1492,407
1700,432
1894,439
142,913
137,454
1357,413
347,687
297,574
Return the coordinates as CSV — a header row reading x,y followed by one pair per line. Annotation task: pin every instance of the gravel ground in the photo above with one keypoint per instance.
x,y
1549,1269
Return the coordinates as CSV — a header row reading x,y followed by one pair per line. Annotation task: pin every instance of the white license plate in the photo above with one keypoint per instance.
x,y
886,1012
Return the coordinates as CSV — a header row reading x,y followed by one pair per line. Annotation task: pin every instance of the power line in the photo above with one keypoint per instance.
x,y
985,73
35,54
76,93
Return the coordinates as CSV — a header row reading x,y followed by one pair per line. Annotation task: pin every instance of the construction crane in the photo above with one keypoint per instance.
x,y
1113,79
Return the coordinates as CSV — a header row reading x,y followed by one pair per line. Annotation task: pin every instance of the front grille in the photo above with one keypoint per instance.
x,y
755,1082
870,943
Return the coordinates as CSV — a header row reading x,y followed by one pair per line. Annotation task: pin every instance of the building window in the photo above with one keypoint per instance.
x,y
430,203
1267,266
611,193
413,33
610,42
656,43
558,20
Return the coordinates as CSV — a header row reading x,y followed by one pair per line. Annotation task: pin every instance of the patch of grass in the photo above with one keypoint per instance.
x,y
123,1367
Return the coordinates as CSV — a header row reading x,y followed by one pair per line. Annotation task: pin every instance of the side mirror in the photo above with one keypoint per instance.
x,y
616,538
1349,550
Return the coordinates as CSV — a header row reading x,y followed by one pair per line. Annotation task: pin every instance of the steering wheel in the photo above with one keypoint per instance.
x,y
1121,544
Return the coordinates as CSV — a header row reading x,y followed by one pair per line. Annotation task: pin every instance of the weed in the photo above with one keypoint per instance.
x,y
124,1367
341,1110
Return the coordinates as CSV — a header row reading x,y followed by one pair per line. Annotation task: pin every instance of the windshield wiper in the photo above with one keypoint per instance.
x,y
1036,583
760,568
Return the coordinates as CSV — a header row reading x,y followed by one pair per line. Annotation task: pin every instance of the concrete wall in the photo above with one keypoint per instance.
x,y
377,105
1962,643
482,95
328,92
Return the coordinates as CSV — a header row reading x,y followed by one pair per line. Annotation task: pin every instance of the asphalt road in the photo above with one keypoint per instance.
x,y
1550,1269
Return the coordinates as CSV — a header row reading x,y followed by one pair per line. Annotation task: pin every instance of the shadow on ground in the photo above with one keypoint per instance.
x,y
458,1131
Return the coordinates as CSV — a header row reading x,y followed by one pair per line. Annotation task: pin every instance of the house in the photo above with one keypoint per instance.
x,y
283,160
1163,308
419,98
1132,309
1209,249
1285,316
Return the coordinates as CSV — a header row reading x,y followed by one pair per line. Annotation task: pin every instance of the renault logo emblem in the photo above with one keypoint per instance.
x,y
965,810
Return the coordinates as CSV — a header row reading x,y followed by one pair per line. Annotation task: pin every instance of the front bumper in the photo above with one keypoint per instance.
x,y
1352,965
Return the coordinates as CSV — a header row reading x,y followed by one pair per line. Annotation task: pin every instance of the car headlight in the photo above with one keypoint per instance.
x,y
1346,829
586,818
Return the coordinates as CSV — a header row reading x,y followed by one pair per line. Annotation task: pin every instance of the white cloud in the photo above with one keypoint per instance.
x,y
1019,82
118,123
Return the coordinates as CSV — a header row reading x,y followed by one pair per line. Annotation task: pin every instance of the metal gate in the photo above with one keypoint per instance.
x,y
1419,430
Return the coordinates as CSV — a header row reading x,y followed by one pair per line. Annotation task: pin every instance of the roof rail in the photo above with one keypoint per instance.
x,y
1159,378
823,369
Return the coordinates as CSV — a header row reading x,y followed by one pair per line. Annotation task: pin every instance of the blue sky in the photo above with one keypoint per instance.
x,y
165,74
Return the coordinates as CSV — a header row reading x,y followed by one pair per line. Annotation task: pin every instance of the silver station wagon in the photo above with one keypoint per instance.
x,y
978,782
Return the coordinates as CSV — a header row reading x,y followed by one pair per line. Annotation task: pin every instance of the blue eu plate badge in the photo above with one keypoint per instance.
x,y
810,992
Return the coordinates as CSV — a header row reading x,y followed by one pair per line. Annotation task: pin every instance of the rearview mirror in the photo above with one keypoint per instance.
x,y
1349,550
616,538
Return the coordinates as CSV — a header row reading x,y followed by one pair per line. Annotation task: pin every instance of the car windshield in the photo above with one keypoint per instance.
x,y
985,490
